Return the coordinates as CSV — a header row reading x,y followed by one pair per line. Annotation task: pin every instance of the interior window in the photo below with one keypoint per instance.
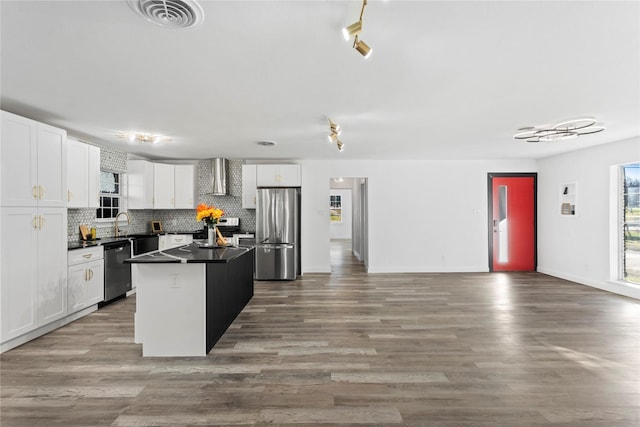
x,y
631,222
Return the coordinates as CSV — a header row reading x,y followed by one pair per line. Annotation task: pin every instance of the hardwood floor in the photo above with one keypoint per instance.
x,y
504,349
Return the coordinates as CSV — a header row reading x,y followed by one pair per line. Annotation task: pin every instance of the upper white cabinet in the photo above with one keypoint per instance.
x,y
278,175
33,160
184,187
163,186
140,177
249,186
83,175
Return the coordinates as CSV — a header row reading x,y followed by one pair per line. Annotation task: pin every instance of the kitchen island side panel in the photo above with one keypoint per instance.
x,y
170,309
229,289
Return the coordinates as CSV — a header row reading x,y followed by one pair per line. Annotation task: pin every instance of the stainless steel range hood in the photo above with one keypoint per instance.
x,y
219,176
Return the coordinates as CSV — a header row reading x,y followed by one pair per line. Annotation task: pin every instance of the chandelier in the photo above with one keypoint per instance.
x,y
562,131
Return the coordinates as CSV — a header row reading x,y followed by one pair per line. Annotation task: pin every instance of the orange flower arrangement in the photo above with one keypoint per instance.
x,y
210,214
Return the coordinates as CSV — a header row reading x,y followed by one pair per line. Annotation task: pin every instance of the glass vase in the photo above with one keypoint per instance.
x,y
211,234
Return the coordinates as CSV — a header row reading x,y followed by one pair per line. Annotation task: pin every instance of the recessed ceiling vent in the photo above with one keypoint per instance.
x,y
170,13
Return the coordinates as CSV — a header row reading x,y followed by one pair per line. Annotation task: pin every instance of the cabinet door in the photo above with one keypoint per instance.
x,y
95,285
86,285
164,242
76,287
184,187
278,176
18,161
18,277
163,186
52,166
249,186
93,177
77,174
140,184
51,261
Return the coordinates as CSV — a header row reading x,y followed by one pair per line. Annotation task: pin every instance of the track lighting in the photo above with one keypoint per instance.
x,y
333,135
354,30
363,48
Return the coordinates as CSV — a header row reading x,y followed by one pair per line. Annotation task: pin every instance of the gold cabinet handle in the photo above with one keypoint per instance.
x,y
42,221
90,271
85,274
87,256
69,195
35,223
34,191
40,192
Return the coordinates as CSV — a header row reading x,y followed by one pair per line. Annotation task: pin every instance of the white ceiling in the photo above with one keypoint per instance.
x,y
447,79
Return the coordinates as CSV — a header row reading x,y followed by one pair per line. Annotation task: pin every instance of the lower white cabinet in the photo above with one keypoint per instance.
x,y
86,278
168,241
33,269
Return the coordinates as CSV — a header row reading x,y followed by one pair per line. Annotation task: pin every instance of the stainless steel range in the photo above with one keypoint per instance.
x,y
228,227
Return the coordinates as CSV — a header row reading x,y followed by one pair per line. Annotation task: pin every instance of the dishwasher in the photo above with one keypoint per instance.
x,y
117,274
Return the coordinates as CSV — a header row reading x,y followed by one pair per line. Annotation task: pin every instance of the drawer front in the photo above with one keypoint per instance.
x,y
78,256
180,240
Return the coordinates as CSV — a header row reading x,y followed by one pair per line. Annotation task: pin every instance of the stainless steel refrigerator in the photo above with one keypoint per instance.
x,y
277,233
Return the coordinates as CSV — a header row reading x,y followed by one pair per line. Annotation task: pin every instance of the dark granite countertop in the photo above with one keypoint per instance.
x,y
192,253
78,244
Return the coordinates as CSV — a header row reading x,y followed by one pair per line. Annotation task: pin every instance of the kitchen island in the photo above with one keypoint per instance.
x,y
187,297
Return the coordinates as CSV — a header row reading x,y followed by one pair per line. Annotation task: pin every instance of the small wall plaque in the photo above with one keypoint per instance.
x,y
156,227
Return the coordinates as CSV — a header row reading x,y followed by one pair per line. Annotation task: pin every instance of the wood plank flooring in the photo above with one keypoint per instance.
x,y
504,349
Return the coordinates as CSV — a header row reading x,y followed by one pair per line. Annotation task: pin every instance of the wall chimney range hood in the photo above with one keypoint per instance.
x,y
219,176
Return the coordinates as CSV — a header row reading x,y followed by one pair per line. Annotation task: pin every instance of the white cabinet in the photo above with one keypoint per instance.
x,y
33,160
33,225
168,241
184,187
33,279
176,240
249,186
140,178
163,186
278,175
83,175
85,278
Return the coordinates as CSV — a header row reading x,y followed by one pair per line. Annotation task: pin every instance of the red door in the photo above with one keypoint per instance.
x,y
512,215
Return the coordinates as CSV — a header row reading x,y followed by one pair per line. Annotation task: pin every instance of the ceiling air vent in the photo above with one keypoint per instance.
x,y
170,13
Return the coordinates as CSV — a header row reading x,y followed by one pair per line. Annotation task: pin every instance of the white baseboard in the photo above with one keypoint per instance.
x,y
621,288
45,329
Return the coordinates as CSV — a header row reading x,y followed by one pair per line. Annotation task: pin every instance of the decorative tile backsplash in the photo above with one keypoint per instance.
x,y
173,220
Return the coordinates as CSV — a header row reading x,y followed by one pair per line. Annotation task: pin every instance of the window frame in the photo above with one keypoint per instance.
x,y
120,195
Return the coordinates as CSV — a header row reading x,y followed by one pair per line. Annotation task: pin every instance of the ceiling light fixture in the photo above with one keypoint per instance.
x,y
562,131
335,131
354,30
143,137
267,143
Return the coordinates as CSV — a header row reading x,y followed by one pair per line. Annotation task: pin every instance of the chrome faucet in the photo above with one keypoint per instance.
x,y
117,229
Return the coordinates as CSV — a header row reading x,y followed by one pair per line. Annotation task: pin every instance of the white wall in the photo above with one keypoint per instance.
x,y
579,248
440,206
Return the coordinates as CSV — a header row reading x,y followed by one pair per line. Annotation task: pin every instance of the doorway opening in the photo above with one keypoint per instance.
x,y
348,225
